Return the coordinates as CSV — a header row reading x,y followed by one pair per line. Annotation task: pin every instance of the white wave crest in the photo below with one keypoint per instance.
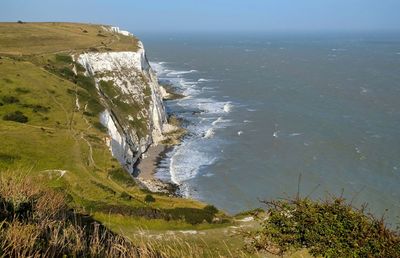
x,y
175,72
205,80
227,107
209,133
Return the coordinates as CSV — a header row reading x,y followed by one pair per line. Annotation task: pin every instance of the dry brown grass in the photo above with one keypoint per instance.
x,y
49,37
36,222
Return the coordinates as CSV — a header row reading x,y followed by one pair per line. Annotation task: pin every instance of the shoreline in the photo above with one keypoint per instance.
x,y
146,169
148,163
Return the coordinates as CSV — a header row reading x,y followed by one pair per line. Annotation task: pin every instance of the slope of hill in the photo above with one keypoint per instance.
x,y
51,107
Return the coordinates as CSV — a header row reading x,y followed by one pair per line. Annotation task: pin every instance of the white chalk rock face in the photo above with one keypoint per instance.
x,y
135,115
118,30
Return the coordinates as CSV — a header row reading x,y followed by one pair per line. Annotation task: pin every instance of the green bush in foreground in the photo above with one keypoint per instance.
x,y
329,229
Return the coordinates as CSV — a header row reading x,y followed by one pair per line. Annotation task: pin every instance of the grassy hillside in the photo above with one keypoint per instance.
x,y
49,138
43,38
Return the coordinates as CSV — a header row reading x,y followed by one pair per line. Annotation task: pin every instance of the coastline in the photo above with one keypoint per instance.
x,y
146,168
148,163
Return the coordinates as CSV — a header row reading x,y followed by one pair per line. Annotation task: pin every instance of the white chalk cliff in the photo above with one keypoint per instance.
x,y
135,115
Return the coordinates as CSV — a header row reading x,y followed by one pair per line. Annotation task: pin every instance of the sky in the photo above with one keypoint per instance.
x,y
214,15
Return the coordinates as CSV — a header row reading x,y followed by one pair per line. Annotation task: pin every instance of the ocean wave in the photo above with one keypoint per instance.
x,y
158,68
187,161
220,120
203,115
205,80
227,107
211,106
175,72
209,133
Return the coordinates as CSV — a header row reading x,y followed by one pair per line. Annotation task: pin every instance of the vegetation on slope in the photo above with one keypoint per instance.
x,y
36,222
331,228
43,38
64,146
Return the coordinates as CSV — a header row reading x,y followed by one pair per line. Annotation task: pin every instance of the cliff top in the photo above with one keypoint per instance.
x,y
18,38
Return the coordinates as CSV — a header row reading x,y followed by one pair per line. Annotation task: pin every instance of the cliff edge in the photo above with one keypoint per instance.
x,y
128,88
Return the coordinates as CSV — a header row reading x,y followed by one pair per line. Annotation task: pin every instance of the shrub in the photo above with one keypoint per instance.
x,y
37,108
103,187
121,176
22,90
93,49
7,158
109,89
64,58
126,196
7,80
10,99
88,113
100,126
329,229
211,209
16,116
85,82
149,198
191,215
67,73
79,67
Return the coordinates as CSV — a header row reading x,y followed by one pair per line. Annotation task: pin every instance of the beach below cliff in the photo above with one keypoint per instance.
x,y
147,168
148,164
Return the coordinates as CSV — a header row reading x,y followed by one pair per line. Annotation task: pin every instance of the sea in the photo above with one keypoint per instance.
x,y
272,116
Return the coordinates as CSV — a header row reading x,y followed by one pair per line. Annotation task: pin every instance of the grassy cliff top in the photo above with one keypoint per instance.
x,y
52,37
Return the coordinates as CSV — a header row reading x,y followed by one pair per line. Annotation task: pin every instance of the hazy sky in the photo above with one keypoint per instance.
x,y
213,15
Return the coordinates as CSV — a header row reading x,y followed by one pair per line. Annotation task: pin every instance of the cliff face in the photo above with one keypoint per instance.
x,y
135,116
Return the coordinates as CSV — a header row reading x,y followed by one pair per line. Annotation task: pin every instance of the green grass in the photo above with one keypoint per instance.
x,y
52,37
64,148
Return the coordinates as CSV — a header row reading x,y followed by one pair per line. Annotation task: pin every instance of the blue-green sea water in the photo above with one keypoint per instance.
x,y
263,111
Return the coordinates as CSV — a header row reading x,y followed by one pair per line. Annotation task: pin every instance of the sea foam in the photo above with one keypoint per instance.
x,y
204,115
